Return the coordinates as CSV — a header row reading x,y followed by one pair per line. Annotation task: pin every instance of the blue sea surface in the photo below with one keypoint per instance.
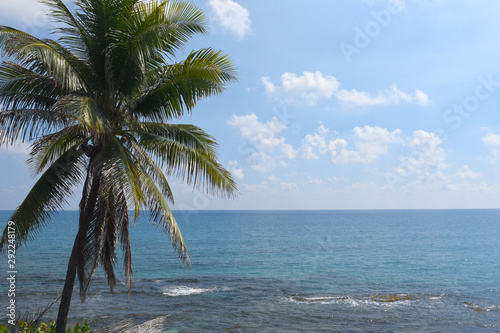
x,y
286,271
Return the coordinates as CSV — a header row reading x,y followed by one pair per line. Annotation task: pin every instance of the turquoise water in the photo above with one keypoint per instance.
x,y
289,271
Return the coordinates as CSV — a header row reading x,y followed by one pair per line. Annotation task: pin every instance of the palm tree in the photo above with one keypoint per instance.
x,y
97,104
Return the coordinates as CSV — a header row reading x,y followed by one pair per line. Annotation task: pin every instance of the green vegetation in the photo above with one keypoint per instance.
x,y
97,104
24,327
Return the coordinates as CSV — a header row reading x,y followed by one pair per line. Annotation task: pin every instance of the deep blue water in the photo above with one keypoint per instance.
x,y
288,271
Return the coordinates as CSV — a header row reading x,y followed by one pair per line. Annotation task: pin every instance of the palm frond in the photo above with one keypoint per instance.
x,y
110,236
124,170
91,225
185,134
121,216
76,65
176,21
174,89
22,87
48,148
161,214
42,56
125,244
193,162
47,196
85,111
150,166
72,30
154,29
26,124
116,226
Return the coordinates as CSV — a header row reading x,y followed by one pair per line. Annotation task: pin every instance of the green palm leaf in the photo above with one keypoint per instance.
x,y
84,111
152,169
42,55
162,215
21,87
50,147
174,89
190,154
46,197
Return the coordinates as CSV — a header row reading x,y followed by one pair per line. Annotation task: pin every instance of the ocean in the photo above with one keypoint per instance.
x,y
285,271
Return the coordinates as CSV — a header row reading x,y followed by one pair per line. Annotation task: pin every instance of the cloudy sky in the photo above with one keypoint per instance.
x,y
354,104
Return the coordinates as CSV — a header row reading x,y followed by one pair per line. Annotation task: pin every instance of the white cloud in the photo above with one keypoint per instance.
x,y
370,143
262,162
273,179
464,172
359,98
310,88
320,181
263,186
268,85
389,96
427,153
273,184
494,157
316,141
430,182
307,153
232,16
317,181
272,150
235,171
421,97
375,140
289,187
492,140
339,179
238,173
262,134
359,188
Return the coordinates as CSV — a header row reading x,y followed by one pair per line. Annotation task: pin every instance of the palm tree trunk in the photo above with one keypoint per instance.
x,y
62,315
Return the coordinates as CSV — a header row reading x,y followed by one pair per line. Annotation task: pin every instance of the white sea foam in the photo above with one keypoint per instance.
x,y
492,307
318,299
186,291
348,300
481,308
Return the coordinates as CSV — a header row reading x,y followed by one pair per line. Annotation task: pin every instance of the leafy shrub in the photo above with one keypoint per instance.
x,y
24,327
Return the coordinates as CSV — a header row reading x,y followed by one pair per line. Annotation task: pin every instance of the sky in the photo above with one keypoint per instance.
x,y
339,104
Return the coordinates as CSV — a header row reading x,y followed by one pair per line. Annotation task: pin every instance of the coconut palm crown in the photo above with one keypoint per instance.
x,y
98,106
